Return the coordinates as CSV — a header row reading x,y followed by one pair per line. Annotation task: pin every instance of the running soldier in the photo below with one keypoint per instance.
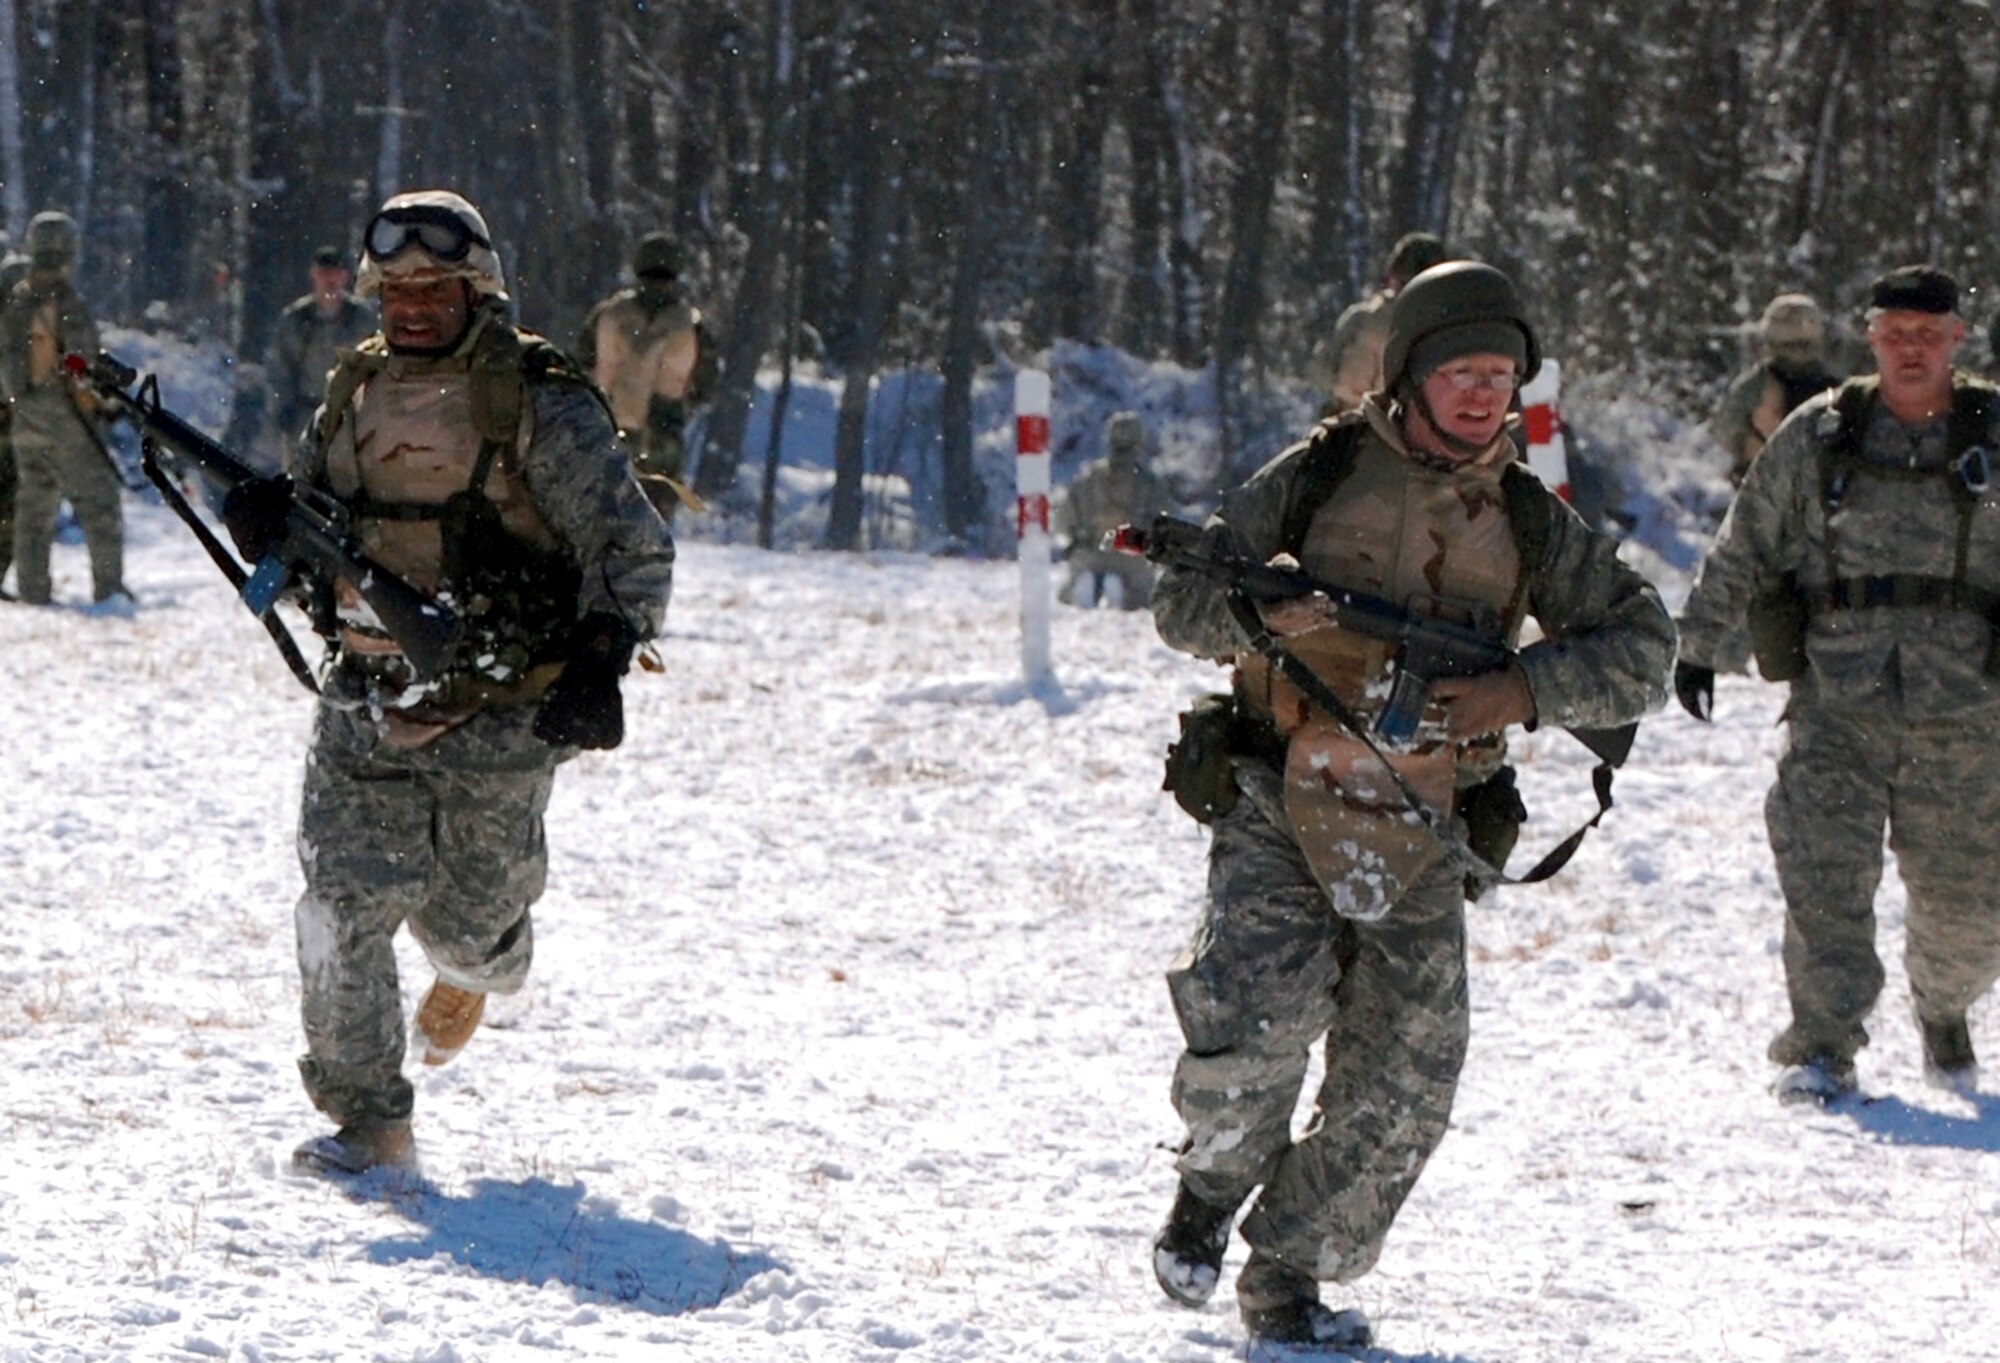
x,y
650,352
1863,554
305,342
478,462
1331,912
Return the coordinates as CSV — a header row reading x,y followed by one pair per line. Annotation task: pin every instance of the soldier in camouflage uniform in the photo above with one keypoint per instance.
x,y
1116,490
1331,912
1863,552
58,453
478,462
307,337
1792,335
13,269
1347,366
651,353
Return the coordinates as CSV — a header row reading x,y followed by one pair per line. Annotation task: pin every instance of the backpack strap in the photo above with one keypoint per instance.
x,y
1326,464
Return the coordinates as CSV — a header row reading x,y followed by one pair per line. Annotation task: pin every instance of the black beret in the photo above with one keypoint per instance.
x,y
1914,288
330,257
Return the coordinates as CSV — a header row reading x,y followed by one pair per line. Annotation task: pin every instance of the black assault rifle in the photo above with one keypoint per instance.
x,y
1423,649
318,547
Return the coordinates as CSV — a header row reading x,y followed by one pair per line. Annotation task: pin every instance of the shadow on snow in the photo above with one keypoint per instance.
x,y
1894,1122
537,1232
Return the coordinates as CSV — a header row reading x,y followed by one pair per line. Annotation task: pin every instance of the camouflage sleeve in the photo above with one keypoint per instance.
x,y
1608,641
283,356
1731,423
1756,544
582,484
1190,609
79,329
586,341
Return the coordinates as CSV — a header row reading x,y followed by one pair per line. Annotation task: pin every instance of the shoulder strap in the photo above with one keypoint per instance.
x,y
351,368
1328,459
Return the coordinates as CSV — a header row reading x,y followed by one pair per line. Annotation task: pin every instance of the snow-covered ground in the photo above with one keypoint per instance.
x,y
847,1039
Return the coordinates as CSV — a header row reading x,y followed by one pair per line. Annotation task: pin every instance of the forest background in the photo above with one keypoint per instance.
x,y
956,185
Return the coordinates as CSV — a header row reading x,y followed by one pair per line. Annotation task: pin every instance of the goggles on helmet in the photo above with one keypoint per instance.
x,y
438,232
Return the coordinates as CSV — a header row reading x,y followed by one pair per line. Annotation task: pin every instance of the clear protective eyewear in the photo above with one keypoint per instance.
x,y
1466,381
438,232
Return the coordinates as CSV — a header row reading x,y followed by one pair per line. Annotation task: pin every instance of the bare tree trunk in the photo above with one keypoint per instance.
x,y
962,494
1444,56
749,333
13,165
389,156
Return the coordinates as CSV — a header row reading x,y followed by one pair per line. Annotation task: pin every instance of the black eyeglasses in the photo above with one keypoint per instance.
x,y
438,231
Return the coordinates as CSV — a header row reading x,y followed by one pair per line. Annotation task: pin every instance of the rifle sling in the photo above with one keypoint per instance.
x,y
287,647
1484,873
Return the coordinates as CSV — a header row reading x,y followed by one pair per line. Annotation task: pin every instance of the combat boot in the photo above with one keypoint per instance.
x,y
1821,1079
446,1020
1281,1305
1949,1061
358,1148
1188,1251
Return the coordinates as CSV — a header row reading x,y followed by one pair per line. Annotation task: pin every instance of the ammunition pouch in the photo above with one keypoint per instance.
x,y
1198,771
1777,626
1493,814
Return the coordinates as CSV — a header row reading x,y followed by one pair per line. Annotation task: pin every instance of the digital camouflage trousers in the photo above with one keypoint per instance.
x,y
446,838
1270,971
1935,785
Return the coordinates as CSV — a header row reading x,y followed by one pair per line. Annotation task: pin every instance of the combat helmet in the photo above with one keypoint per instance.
x,y
657,256
52,240
430,234
1460,296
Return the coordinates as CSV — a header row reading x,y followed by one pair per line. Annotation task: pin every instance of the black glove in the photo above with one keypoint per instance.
x,y
583,709
1694,687
255,513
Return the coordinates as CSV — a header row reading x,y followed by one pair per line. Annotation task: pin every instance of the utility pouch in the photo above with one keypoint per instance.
x,y
1493,815
1198,771
1777,627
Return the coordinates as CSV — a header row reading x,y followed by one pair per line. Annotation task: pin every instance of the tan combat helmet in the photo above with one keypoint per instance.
x,y
430,234
52,241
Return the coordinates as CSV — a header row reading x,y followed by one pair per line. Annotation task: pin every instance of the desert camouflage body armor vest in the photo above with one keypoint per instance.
x,y
426,453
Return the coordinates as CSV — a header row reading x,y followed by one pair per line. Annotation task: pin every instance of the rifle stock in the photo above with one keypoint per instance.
x,y
317,543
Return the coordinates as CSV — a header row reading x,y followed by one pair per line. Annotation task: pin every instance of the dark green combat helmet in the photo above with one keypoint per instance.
x,y
1463,307
657,256
52,241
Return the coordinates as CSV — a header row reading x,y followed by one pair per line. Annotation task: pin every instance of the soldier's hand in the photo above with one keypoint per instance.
x,y
1694,688
584,709
1485,704
255,512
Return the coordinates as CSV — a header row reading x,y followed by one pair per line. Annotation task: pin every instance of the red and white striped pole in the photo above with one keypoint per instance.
x,y
1542,424
1031,518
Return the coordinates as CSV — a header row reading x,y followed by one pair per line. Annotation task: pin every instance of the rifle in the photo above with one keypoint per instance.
x,y
318,547
1425,649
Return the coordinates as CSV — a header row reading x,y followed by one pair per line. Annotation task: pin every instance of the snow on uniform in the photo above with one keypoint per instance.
x,y
424,803
1892,719
1383,975
1116,490
57,455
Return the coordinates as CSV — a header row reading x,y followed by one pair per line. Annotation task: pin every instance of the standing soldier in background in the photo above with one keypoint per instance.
x,y
58,452
476,460
304,342
13,269
649,351
1332,911
1118,489
1347,365
1863,552
1792,338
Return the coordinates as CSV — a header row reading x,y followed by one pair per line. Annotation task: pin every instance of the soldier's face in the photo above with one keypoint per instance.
x,y
329,281
1468,398
1913,350
424,316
